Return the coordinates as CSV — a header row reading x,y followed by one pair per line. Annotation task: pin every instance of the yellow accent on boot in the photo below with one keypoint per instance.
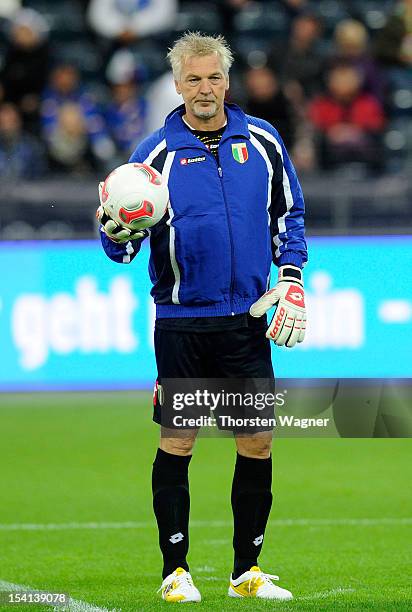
x,y
179,587
255,583
249,587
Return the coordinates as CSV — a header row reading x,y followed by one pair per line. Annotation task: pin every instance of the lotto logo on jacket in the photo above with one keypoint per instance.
x,y
192,160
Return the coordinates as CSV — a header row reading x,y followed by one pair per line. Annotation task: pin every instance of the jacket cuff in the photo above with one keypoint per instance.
x,y
290,257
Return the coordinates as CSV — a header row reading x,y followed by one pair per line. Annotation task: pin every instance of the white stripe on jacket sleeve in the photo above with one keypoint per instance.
x,y
165,173
158,148
285,183
263,153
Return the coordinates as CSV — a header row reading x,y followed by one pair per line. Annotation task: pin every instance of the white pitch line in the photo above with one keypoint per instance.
x,y
325,594
77,605
73,525
204,568
304,522
74,605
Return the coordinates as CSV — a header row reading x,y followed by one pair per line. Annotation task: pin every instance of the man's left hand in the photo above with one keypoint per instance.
x,y
288,324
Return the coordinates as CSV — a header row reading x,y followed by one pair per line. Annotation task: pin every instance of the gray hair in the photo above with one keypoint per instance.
x,y
31,19
197,44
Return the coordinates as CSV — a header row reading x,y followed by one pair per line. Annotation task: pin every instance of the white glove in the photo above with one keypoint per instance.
x,y
288,324
115,231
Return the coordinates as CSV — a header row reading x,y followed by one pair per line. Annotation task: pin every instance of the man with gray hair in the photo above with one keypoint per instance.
x,y
235,206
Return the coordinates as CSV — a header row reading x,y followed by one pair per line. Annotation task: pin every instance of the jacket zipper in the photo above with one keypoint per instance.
x,y
229,224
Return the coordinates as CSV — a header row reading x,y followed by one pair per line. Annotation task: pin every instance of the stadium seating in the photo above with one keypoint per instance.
x,y
265,19
254,29
198,16
65,17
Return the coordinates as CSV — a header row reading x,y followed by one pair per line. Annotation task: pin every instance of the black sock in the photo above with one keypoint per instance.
x,y
251,503
171,504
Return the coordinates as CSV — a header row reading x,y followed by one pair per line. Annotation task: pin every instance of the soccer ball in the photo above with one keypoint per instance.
x,y
135,196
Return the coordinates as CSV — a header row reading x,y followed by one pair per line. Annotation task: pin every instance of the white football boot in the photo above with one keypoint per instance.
x,y
178,587
255,583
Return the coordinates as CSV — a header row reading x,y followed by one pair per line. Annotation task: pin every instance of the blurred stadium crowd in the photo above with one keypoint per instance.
x,y
82,81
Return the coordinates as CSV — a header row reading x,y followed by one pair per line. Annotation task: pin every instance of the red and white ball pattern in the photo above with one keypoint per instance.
x,y
135,195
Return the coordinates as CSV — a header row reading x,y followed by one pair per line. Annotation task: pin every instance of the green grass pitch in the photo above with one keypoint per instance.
x,y
86,458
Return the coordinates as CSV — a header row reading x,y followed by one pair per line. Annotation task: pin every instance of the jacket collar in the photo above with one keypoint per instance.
x,y
178,136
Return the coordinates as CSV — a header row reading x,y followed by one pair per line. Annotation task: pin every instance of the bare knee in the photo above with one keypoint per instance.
x,y
177,445
257,446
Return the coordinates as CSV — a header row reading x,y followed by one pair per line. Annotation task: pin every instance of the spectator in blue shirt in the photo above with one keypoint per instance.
x,y
21,156
25,64
126,114
65,88
130,20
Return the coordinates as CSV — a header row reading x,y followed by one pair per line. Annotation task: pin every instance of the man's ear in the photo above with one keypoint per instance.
x,y
178,90
227,83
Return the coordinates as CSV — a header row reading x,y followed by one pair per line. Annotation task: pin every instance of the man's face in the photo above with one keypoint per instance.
x,y
65,79
10,122
203,85
261,84
344,83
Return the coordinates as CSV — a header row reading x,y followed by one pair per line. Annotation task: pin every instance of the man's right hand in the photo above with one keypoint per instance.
x,y
117,233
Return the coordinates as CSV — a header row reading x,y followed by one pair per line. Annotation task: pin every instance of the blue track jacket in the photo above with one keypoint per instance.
x,y
228,220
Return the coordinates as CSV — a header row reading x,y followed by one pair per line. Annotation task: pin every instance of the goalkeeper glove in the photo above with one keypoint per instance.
x,y
288,324
115,231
